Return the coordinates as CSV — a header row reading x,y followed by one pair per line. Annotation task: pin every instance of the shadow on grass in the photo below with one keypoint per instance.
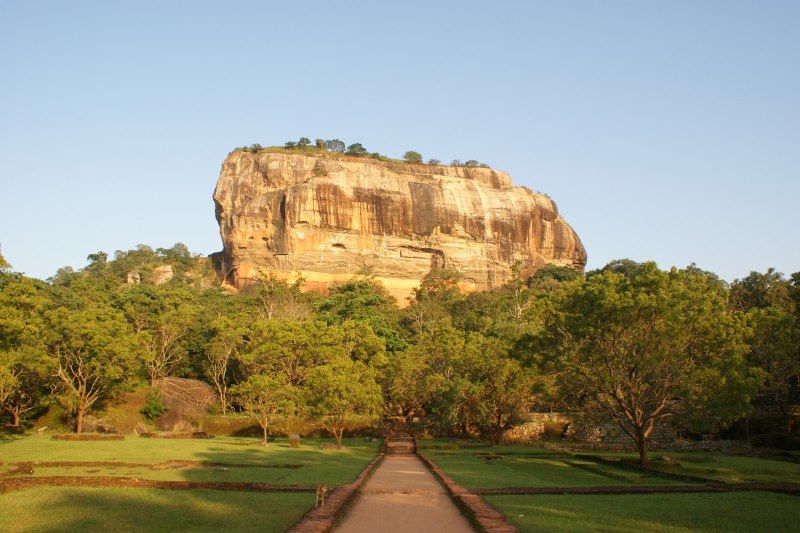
x,y
130,509
307,465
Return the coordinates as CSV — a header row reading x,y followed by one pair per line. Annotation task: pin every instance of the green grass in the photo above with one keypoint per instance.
x,y
122,509
729,469
743,511
130,509
332,466
522,466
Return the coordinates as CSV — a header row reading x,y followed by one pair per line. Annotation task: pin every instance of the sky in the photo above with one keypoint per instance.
x,y
666,131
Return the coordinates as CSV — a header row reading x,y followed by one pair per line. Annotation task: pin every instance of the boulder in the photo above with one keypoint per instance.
x,y
326,217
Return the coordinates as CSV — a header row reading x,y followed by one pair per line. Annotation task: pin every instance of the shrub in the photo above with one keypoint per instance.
x,y
303,142
253,148
320,144
434,162
153,406
456,162
412,157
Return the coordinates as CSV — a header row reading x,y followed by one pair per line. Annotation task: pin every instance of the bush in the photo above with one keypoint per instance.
x,y
434,162
153,406
356,149
412,157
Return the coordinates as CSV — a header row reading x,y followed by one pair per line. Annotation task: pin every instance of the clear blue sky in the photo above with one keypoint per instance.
x,y
664,130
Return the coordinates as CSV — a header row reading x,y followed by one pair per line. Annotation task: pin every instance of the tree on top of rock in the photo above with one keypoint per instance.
x,y
357,149
412,157
335,145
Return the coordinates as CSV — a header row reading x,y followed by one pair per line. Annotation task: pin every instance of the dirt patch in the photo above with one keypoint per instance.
x,y
89,436
11,484
786,488
178,435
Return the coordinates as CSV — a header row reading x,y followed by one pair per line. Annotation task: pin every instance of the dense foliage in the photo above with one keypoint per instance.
x,y
629,344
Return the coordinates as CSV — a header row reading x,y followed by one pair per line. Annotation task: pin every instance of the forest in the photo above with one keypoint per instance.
x,y
629,344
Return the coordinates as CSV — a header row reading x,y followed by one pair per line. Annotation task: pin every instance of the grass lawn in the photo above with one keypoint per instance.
x,y
316,465
522,466
742,511
123,509
49,508
730,469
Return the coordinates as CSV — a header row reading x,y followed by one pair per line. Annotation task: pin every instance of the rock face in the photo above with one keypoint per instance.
x,y
327,217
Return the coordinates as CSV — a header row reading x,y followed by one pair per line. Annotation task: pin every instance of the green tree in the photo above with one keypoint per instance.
x,y
363,299
340,391
228,340
434,162
290,349
265,398
412,157
304,142
320,144
759,290
162,317
274,298
356,149
775,350
440,284
94,352
335,145
507,390
24,372
646,347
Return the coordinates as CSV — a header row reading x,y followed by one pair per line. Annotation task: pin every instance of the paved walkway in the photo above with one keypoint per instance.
x,y
403,496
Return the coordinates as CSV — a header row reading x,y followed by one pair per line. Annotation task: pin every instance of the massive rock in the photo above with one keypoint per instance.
x,y
327,217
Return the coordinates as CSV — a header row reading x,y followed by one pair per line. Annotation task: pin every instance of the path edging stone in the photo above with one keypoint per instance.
x,y
480,513
322,519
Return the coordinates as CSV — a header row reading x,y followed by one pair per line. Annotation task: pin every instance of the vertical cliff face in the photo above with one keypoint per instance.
x,y
326,218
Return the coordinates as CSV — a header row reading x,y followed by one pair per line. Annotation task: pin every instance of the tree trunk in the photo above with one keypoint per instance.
x,y
15,414
265,434
338,435
79,421
641,445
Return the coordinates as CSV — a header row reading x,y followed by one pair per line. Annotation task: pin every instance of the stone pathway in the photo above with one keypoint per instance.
x,y
403,496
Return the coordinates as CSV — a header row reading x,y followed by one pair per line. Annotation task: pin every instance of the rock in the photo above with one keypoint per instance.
x,y
162,274
133,277
326,217
186,400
